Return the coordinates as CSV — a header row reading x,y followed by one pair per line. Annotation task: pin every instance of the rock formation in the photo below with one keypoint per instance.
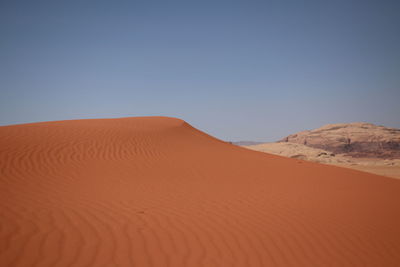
x,y
353,139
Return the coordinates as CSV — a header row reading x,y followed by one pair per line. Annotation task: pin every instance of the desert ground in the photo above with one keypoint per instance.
x,y
154,191
389,169
385,167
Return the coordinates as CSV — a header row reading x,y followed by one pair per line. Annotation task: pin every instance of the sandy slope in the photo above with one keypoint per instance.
x,y
156,192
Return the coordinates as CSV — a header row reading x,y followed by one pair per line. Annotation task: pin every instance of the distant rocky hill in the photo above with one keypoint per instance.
x,y
361,146
352,139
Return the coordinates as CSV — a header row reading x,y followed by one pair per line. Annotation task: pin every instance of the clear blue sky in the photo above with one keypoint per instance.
x,y
239,70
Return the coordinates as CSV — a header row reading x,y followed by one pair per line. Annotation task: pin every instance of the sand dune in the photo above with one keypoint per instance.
x,y
154,191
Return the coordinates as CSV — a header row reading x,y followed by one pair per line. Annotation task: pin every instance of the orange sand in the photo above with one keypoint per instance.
x,y
154,191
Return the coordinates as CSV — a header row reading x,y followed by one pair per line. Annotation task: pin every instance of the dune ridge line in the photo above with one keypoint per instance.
x,y
155,191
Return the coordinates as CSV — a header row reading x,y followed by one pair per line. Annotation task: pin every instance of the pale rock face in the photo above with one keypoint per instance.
x,y
353,139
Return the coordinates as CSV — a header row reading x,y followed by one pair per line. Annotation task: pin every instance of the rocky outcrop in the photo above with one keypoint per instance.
x,y
352,139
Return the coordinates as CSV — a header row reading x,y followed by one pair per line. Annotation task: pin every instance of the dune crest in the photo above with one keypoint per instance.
x,y
154,191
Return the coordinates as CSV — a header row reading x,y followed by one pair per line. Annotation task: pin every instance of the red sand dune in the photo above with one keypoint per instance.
x,y
154,191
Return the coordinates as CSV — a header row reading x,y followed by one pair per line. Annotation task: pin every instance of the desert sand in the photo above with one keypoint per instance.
x,y
154,191
389,168
380,166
